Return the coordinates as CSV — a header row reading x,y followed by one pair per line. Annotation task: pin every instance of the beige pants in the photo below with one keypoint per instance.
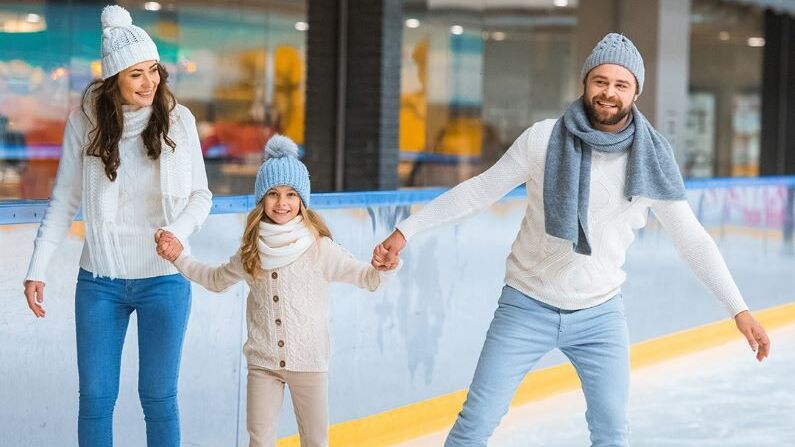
x,y
309,391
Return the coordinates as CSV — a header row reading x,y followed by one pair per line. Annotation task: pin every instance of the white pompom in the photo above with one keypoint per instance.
x,y
280,146
115,15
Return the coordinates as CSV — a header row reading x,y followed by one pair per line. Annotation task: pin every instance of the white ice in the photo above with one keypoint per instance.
x,y
717,397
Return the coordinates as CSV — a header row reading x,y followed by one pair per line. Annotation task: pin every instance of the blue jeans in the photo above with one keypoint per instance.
x,y
102,312
523,330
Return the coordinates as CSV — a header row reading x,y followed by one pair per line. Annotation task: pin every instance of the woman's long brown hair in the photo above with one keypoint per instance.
x,y
105,101
250,250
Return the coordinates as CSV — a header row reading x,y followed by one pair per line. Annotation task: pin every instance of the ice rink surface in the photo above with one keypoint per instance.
x,y
721,397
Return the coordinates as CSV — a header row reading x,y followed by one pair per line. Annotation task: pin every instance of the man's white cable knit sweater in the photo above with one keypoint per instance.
x,y
287,307
139,208
547,268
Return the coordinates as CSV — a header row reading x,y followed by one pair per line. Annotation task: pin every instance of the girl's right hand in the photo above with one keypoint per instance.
x,y
168,246
34,292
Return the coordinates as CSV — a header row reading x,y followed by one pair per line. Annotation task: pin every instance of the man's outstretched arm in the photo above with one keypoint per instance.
x,y
698,249
468,198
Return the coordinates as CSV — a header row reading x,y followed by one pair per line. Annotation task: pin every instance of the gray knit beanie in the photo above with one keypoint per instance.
x,y
619,50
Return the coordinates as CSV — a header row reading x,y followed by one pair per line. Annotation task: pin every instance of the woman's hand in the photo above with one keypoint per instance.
x,y
34,292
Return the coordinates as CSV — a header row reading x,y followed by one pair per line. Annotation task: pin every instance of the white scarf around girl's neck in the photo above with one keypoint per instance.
x,y
280,245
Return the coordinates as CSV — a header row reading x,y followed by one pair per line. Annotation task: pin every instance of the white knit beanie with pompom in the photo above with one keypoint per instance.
x,y
123,44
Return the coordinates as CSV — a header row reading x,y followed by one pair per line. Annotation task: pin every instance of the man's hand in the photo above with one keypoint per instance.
x,y
386,255
34,292
380,262
754,333
168,246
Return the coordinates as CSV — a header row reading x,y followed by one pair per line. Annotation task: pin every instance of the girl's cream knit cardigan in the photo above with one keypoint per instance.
x,y
287,309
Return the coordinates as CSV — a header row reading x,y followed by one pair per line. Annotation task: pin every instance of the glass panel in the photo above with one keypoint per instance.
x,y
475,74
36,89
726,50
700,144
746,133
239,68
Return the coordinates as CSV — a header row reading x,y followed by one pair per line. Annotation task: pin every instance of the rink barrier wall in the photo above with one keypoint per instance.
x,y
726,207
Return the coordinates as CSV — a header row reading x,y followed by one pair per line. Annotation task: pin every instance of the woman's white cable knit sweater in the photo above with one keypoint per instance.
x,y
287,307
547,268
139,208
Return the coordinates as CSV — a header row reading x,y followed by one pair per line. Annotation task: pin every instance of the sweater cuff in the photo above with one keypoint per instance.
x,y
384,276
181,260
37,268
732,300
407,228
735,308
181,229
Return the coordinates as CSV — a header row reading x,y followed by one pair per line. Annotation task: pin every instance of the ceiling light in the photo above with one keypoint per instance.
x,y
21,22
756,41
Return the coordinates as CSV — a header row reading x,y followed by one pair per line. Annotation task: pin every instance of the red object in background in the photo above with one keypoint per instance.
x,y
209,141
241,139
45,133
37,179
238,139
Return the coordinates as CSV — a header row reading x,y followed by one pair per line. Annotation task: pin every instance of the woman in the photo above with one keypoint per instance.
x,y
131,156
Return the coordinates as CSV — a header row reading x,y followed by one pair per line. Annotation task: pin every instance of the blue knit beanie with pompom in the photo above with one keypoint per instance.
x,y
282,168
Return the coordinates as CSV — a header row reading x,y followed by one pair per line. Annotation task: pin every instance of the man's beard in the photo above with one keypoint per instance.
x,y
604,119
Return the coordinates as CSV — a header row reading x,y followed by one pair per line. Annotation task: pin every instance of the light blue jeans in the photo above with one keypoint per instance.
x,y
102,312
522,331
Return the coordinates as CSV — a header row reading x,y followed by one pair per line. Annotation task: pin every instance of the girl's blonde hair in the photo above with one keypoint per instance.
x,y
248,247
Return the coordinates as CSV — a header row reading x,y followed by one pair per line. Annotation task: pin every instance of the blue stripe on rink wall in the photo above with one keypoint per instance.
x,y
32,211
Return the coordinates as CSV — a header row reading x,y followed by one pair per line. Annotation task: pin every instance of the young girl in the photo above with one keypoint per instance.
x,y
288,259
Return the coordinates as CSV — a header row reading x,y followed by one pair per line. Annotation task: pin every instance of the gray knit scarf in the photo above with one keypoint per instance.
x,y
651,170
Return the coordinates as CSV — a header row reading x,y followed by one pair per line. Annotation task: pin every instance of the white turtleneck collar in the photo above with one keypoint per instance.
x,y
135,120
